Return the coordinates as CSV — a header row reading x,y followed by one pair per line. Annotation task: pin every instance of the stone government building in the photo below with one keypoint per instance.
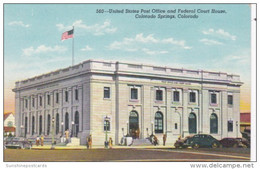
x,y
136,97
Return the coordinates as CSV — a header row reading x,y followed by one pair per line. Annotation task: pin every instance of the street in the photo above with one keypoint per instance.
x,y
239,154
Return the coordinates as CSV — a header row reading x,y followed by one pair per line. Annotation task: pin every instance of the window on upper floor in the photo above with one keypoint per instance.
x,y
213,98
40,100
134,93
230,99
159,95
192,97
76,94
33,100
106,92
10,123
176,96
66,96
57,97
26,103
48,99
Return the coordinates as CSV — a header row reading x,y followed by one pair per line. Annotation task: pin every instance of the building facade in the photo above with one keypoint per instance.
x,y
138,99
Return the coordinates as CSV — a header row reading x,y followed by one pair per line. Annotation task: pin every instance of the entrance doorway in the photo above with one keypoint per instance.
x,y
134,124
76,123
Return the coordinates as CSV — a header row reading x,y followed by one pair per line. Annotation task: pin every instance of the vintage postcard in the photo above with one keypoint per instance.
x,y
129,83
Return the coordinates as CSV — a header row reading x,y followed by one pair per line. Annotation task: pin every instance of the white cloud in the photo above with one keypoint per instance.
x,y
219,33
96,29
43,49
153,52
130,43
18,23
210,42
87,48
240,59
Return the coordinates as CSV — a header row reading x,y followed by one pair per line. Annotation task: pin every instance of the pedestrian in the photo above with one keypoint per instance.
x,y
90,141
110,142
67,133
164,139
42,140
37,141
155,140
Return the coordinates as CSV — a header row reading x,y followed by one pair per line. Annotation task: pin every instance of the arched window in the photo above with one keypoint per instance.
x,y
158,122
40,125
48,124
192,123
57,123
33,122
76,123
66,121
213,123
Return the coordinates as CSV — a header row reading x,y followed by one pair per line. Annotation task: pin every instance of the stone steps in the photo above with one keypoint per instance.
x,y
74,142
141,142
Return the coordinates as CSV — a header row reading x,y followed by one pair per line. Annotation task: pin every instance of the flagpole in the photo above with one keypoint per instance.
x,y
73,47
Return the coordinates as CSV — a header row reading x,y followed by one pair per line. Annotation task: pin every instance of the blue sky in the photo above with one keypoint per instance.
x,y
32,33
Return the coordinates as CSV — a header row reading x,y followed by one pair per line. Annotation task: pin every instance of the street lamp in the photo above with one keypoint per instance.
x,y
72,128
237,127
62,123
52,124
106,124
22,131
152,126
127,133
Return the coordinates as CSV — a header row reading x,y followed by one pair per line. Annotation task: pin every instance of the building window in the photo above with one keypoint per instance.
x,y
159,95
57,97
176,96
158,122
33,102
40,125
48,99
192,123
26,126
230,99
66,121
76,94
66,96
48,124
76,123
192,97
10,124
134,93
176,126
57,123
106,92
40,100
213,123
26,103
230,126
106,125
213,98
33,124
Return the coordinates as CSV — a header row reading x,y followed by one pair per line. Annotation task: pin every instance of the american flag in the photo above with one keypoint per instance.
x,y
67,35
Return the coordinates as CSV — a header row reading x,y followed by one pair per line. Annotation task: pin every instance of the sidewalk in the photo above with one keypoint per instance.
x,y
81,147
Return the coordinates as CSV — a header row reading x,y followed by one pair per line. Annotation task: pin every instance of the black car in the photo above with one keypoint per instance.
x,y
202,140
17,143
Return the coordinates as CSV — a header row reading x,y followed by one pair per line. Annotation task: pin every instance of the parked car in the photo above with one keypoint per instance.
x,y
181,143
202,140
17,143
234,142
